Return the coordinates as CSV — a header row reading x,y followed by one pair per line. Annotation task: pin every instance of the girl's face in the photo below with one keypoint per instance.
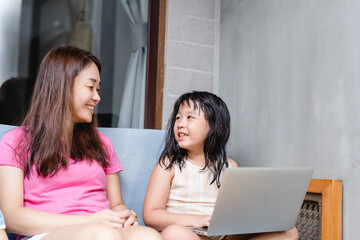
x,y
85,94
191,127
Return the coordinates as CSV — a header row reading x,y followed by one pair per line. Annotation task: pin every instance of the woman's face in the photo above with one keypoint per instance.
x,y
85,94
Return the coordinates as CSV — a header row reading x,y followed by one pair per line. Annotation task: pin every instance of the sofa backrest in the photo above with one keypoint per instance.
x,y
138,151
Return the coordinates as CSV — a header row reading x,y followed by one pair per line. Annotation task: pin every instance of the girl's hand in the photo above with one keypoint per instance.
x,y
201,220
108,217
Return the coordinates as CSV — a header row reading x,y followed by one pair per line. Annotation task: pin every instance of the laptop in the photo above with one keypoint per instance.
x,y
253,200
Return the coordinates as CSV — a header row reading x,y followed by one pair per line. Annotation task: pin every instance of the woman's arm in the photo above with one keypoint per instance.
x,y
22,220
28,222
114,195
3,235
157,193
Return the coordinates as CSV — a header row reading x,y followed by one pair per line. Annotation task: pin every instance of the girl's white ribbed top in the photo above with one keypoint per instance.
x,y
191,192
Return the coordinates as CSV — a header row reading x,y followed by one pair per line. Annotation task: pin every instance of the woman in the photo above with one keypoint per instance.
x,y
59,175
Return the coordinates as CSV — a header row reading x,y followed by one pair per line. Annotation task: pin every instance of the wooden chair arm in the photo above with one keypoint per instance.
x,y
331,217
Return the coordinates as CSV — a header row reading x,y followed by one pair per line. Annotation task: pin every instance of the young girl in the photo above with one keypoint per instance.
x,y
184,184
59,175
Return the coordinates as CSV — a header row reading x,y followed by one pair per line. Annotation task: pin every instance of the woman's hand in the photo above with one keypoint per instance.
x,y
109,217
129,216
113,191
201,220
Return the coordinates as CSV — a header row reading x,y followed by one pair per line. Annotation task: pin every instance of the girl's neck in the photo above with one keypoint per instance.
x,y
196,158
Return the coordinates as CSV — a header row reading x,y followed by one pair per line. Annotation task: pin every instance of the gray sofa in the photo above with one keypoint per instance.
x,y
138,151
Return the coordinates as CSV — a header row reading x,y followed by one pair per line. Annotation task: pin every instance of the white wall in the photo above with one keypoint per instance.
x,y
289,72
10,14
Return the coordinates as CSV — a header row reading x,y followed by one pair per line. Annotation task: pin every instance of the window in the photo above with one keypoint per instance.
x,y
100,26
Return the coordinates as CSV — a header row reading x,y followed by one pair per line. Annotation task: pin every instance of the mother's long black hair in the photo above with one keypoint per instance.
x,y
218,117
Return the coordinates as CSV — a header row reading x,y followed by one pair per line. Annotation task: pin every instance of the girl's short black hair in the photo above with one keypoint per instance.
x,y
218,117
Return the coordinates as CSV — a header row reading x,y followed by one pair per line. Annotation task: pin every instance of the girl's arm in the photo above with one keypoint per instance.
x,y
232,162
157,193
28,222
114,195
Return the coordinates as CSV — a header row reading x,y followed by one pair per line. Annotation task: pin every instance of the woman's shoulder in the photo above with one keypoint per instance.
x,y
16,130
14,135
103,137
9,147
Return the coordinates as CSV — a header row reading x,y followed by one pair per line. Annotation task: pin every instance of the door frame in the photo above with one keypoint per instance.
x,y
155,65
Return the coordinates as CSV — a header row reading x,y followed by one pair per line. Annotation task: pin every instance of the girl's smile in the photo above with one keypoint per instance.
x,y
182,135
